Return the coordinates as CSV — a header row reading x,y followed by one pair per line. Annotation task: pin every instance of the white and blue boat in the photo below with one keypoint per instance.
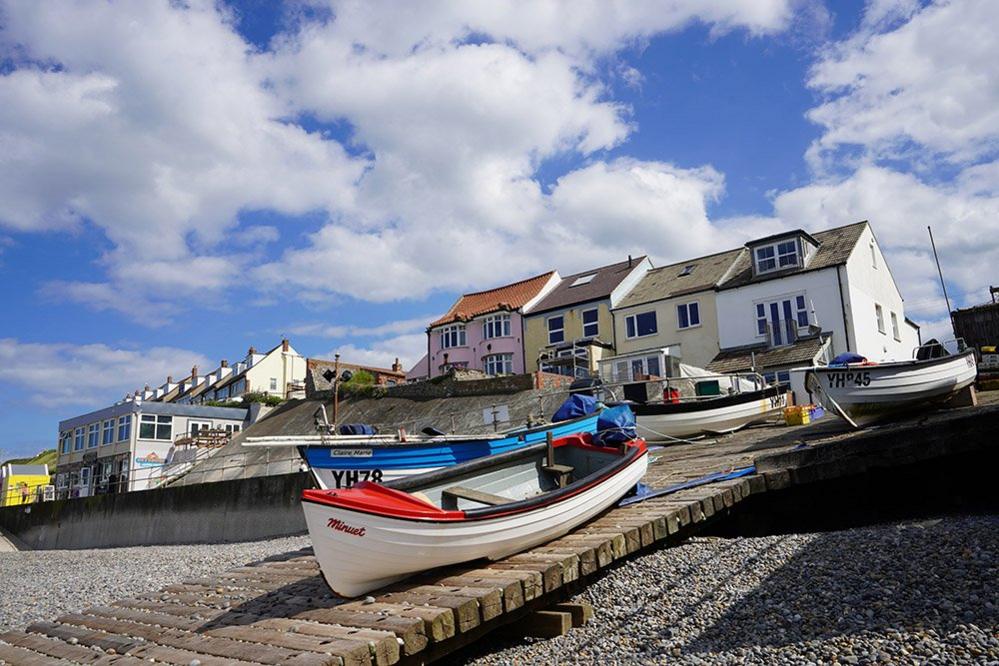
x,y
340,461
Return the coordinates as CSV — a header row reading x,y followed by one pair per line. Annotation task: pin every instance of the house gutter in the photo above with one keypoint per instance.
x,y
842,306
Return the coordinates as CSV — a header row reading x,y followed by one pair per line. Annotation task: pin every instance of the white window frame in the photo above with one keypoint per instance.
x,y
107,432
274,386
777,254
124,427
93,435
232,428
595,323
686,308
85,476
895,332
497,326
453,336
879,314
796,310
65,441
202,425
560,331
79,439
631,332
495,365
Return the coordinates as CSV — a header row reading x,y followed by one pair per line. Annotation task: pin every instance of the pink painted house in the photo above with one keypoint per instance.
x,y
483,330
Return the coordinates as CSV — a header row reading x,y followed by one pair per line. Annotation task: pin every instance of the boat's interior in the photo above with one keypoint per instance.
x,y
509,477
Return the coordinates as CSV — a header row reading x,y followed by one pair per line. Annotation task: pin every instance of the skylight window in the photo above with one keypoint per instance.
x,y
583,279
687,270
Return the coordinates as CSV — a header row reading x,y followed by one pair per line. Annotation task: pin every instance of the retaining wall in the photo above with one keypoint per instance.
x,y
228,511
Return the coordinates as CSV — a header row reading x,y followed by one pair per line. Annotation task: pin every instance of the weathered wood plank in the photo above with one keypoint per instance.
x,y
465,609
439,622
382,645
568,561
351,652
84,636
409,629
11,654
59,649
551,573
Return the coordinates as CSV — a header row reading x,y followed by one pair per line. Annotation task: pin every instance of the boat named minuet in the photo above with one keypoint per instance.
x,y
371,535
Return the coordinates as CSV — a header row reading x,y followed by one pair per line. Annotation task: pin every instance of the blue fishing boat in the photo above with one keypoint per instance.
x,y
340,461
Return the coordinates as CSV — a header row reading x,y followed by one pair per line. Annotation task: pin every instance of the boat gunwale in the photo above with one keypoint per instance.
x,y
677,408
636,451
914,363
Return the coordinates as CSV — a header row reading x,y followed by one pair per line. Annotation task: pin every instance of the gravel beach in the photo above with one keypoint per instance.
x,y
911,592
42,584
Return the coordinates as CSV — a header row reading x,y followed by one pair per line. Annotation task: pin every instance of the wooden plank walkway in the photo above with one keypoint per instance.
x,y
279,611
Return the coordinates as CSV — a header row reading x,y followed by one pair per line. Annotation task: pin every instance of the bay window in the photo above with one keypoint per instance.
x,y
453,336
496,326
498,364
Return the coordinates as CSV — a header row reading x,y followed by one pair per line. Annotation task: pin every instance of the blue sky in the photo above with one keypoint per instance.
x,y
181,181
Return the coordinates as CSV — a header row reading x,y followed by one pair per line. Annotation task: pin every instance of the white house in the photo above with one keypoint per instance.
x,y
121,447
277,372
795,298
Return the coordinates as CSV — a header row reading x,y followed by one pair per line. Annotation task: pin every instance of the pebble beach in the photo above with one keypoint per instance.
x,y
912,592
921,591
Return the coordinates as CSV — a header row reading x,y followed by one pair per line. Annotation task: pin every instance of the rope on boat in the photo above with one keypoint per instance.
x,y
644,492
664,435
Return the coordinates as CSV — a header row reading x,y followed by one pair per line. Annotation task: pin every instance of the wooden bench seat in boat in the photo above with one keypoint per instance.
x,y
562,473
460,492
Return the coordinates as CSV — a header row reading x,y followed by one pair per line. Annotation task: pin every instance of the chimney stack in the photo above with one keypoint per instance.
x,y
629,261
397,367
285,345
194,372
251,351
169,379
224,363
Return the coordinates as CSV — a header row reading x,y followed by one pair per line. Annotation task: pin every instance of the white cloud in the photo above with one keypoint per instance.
x,y
151,121
383,353
927,85
900,206
349,330
69,375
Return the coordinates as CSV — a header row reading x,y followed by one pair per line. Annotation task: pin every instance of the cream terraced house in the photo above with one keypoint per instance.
x,y
672,308
570,329
277,372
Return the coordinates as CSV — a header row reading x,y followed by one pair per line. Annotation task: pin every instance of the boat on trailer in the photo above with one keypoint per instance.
x,y
372,535
666,420
863,392
340,461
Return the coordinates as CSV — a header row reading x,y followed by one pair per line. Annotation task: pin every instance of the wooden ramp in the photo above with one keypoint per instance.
x,y
279,611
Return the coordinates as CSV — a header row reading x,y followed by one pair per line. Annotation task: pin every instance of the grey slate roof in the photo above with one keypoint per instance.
x,y
741,359
605,280
835,246
667,281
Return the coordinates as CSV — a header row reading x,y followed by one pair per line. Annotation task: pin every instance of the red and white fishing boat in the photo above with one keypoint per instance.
x,y
371,535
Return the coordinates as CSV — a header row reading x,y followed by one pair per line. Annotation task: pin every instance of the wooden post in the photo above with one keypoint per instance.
x,y
550,448
336,389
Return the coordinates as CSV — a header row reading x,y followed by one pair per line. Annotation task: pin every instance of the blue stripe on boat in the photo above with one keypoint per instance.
x,y
438,454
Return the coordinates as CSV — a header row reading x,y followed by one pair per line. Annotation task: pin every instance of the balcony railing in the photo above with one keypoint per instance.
x,y
786,332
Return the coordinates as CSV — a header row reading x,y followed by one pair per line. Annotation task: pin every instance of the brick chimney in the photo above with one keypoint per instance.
x,y
397,367
251,351
224,363
169,379
285,346
194,372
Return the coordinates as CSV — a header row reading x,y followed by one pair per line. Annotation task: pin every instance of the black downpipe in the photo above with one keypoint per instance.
x,y
842,307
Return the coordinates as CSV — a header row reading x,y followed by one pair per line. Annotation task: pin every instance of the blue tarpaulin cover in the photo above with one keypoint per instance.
x,y
356,429
848,357
575,406
616,425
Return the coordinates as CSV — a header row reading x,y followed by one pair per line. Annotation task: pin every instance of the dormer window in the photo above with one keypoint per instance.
x,y
777,256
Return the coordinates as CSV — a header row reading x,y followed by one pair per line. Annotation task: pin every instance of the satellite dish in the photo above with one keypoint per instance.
x,y
346,375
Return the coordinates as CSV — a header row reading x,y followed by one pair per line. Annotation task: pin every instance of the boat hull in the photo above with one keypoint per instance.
x,y
359,551
343,466
662,422
869,393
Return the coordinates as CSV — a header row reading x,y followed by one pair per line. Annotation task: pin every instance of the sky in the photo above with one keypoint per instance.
x,y
182,180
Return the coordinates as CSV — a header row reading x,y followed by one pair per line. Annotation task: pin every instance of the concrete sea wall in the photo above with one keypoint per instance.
x,y
227,511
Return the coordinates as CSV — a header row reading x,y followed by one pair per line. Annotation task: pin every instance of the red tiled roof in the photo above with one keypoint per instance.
x,y
508,297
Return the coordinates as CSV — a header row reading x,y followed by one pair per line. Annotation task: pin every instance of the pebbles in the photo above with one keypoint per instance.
x,y
907,592
42,584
